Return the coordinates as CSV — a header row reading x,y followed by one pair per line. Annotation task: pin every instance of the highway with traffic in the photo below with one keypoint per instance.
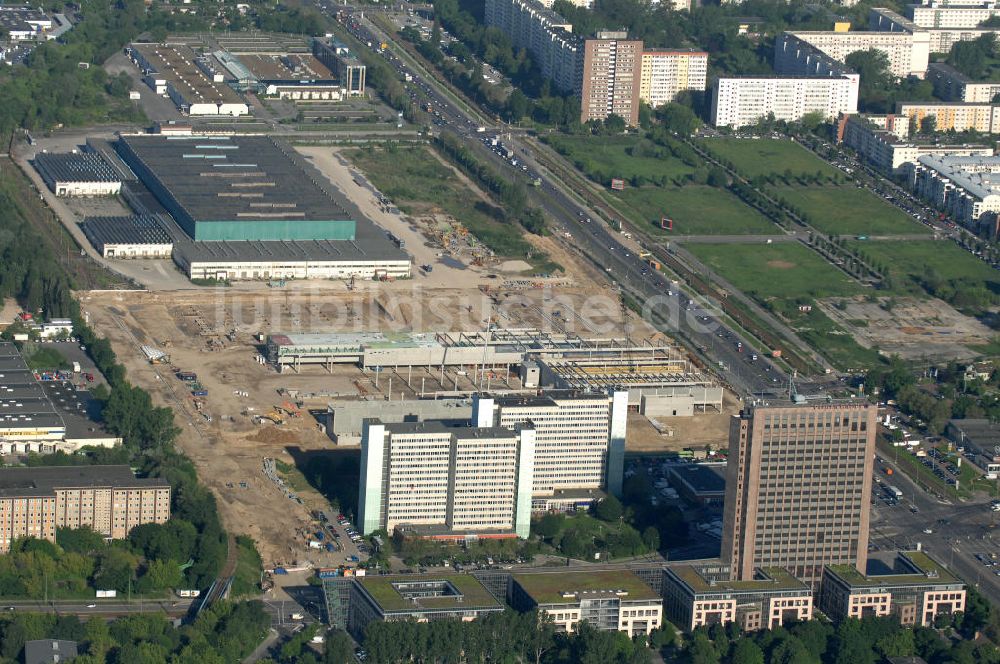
x,y
740,360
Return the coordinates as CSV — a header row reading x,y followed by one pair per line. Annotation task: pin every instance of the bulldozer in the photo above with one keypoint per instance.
x,y
273,416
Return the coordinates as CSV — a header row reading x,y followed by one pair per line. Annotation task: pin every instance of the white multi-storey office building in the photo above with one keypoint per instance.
x,y
579,436
446,482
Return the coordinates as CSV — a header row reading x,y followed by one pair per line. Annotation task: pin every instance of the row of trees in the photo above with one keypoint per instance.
x,y
512,195
225,632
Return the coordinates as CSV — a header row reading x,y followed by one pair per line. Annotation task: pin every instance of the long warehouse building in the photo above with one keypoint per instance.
x,y
249,207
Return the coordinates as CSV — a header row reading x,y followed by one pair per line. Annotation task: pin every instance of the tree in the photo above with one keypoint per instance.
x,y
517,105
678,118
614,124
80,540
747,652
700,650
339,647
609,509
717,177
651,538
928,125
549,525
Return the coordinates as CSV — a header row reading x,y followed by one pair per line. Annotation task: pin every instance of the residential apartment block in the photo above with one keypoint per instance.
x,y
910,585
882,141
938,39
446,482
701,596
545,34
667,73
951,15
798,487
612,601
604,71
953,85
953,116
738,102
967,188
908,53
612,68
579,436
34,502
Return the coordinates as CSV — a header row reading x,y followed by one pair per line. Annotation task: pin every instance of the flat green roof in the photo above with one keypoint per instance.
x,y
474,594
923,563
778,578
548,587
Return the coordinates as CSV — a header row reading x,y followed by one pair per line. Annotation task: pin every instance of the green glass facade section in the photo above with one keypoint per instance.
x,y
273,230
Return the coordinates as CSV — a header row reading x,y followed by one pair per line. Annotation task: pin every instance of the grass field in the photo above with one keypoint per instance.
x,y
246,577
418,183
787,270
695,210
915,260
768,156
781,275
846,210
626,157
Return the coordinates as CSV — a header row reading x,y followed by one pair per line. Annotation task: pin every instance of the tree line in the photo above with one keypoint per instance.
x,y
224,632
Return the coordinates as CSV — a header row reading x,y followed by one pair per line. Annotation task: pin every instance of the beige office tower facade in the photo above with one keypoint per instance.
x,y
612,71
798,486
579,436
34,502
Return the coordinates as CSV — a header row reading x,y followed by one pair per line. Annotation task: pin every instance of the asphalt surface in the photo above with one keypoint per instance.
x,y
959,531
680,313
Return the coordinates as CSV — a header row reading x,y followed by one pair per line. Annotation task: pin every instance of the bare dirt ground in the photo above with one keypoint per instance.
x,y
215,333
913,328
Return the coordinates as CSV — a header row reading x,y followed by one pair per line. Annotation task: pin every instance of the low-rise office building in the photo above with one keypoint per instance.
x,y
952,116
21,22
613,601
446,482
882,141
910,585
35,501
743,101
666,73
701,596
420,598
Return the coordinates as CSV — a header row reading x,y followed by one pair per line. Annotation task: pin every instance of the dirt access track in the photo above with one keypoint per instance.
x,y
214,333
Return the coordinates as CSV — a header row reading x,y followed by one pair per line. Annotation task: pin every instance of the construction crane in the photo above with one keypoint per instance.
x,y
626,327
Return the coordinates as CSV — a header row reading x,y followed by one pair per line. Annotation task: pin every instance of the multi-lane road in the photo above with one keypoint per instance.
x,y
693,319
958,532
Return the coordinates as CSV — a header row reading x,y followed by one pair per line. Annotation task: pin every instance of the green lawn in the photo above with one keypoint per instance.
x,y
916,261
626,157
781,270
419,183
780,276
695,210
246,578
848,210
768,156
652,175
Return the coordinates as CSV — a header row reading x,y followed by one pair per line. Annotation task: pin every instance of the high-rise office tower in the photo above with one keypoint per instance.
x,y
798,487
446,482
580,436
